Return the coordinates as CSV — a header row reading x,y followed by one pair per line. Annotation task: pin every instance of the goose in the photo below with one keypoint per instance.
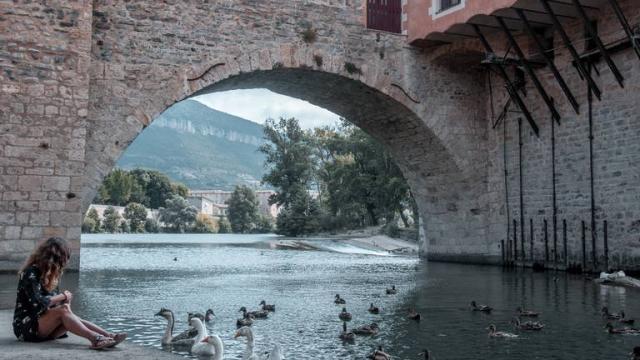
x,y
526,313
482,308
347,335
266,307
414,315
527,325
426,353
379,354
208,316
621,331
499,334
374,309
275,354
184,339
210,345
258,314
339,300
344,315
370,329
199,347
392,291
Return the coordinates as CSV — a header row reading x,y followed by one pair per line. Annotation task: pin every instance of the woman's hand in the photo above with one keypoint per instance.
x,y
68,296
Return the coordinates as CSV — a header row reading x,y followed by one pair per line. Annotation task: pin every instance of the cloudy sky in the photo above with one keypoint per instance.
x,y
259,104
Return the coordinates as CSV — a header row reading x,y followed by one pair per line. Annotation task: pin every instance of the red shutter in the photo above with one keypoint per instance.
x,y
385,15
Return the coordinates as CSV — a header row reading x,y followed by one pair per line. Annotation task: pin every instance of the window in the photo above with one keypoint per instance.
x,y
444,7
447,4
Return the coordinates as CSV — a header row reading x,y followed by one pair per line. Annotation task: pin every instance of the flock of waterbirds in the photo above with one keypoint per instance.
x,y
200,343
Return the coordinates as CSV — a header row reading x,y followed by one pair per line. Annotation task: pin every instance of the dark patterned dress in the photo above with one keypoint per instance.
x,y
32,301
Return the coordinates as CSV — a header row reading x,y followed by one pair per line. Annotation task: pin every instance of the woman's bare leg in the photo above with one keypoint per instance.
x,y
59,331
93,327
53,318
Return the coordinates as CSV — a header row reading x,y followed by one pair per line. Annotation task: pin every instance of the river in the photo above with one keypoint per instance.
x,y
125,279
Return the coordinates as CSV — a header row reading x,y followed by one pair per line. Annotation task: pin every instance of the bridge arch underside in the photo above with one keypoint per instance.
x,y
450,198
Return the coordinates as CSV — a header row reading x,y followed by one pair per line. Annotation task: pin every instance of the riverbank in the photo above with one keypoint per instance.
x,y
71,348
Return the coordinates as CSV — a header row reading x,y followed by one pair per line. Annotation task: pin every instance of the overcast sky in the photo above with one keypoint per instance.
x,y
259,104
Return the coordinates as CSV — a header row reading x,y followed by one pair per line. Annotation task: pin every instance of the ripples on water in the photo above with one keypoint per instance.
x,y
123,285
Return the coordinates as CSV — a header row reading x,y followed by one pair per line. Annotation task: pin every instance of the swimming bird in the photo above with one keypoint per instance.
x,y
527,325
346,335
194,315
374,309
199,346
245,320
208,316
275,354
258,314
344,315
339,300
210,345
426,353
499,334
621,331
623,319
392,291
526,313
186,338
379,354
369,329
414,315
266,307
482,308
607,315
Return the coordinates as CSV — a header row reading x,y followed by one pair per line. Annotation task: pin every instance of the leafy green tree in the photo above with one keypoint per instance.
x,y
264,226
111,221
151,226
243,210
301,216
117,187
124,227
224,227
91,223
157,187
136,214
88,225
204,224
178,215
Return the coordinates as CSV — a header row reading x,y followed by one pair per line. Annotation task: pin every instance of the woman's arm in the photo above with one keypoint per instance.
x,y
33,289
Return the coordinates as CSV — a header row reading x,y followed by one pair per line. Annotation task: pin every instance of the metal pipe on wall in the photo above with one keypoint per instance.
x,y
521,190
591,185
546,242
531,239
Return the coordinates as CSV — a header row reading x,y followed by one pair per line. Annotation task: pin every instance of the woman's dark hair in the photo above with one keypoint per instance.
x,y
50,257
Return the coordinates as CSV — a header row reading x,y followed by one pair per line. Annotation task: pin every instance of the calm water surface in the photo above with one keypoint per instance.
x,y
123,283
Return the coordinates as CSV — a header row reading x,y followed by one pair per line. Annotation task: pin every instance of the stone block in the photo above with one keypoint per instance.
x,y
29,183
56,183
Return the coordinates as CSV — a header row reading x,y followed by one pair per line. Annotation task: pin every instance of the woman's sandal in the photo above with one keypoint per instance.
x,y
118,338
101,342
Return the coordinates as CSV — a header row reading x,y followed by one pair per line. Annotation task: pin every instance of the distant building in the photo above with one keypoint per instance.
x,y
214,202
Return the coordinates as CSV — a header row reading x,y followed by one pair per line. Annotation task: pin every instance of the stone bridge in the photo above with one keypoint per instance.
x,y
81,79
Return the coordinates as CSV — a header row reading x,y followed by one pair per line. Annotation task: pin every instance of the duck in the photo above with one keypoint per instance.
x,y
245,320
266,307
607,315
258,314
414,315
635,354
340,301
210,345
194,315
186,338
623,319
245,331
379,354
200,347
370,329
344,315
621,331
527,325
374,309
209,315
526,313
392,291
499,334
426,353
482,308
345,335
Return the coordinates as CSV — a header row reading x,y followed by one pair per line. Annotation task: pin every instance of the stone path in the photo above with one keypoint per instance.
x,y
71,348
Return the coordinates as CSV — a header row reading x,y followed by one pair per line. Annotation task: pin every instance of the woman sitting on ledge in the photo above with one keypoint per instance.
x,y
42,312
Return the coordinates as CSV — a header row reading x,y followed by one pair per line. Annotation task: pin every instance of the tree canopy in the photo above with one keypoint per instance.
x,y
243,210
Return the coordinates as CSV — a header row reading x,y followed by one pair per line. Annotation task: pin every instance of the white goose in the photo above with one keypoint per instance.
x,y
245,331
184,339
200,346
214,346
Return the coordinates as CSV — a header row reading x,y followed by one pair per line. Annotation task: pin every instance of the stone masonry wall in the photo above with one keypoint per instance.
x,y
44,96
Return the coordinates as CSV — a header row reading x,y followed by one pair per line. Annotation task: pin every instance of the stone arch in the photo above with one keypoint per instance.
x,y
434,156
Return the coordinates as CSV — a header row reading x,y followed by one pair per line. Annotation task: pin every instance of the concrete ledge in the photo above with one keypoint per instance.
x,y
71,348
465,258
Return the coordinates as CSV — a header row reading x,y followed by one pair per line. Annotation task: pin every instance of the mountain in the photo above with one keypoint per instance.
x,y
200,147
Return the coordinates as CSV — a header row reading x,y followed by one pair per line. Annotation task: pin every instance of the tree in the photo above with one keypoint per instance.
x,y
301,216
264,226
178,215
243,210
136,214
111,220
91,223
117,187
224,227
157,187
151,226
205,224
